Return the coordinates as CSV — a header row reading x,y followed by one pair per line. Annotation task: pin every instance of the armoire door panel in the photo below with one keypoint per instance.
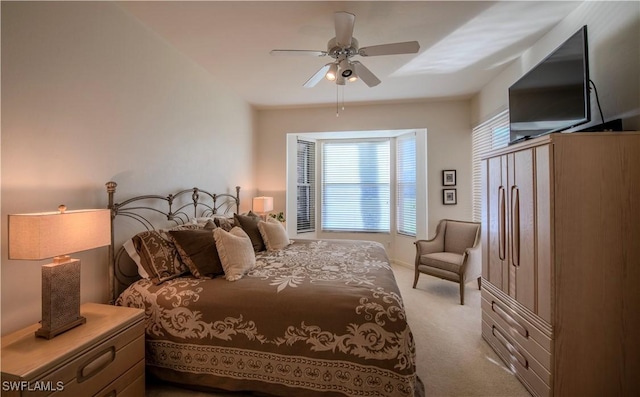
x,y
544,231
496,236
523,234
511,269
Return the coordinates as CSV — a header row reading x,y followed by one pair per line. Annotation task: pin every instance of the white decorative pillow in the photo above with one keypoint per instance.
x,y
235,251
274,234
133,254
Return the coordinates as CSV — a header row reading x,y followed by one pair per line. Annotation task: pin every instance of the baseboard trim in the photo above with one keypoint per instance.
x,y
401,263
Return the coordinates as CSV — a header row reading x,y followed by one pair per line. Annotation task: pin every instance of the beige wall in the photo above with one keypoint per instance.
x,y
89,95
448,147
613,30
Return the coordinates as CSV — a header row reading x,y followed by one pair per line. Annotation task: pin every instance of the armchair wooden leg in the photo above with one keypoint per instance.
x,y
415,278
462,292
479,282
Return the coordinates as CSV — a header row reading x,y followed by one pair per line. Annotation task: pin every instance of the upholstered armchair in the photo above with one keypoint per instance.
x,y
453,254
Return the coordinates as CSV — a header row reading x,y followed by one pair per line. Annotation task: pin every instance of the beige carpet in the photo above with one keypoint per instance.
x,y
452,357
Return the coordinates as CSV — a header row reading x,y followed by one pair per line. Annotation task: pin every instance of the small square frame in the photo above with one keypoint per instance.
x,y
449,197
449,178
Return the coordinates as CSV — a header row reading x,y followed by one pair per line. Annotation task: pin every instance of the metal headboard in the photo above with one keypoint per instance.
x,y
148,210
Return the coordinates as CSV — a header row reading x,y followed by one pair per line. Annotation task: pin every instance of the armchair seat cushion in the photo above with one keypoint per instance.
x,y
448,261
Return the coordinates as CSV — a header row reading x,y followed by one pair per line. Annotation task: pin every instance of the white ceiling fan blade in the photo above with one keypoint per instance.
x,y
298,53
344,28
365,74
407,47
315,79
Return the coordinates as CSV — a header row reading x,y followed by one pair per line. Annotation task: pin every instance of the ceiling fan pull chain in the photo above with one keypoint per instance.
x,y
337,95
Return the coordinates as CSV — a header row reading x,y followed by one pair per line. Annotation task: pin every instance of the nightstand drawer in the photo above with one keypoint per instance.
x,y
96,369
131,384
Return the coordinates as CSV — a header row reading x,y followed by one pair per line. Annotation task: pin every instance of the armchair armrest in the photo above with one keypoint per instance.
x,y
428,246
473,258
436,244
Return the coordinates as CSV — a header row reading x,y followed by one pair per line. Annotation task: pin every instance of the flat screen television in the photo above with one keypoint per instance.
x,y
554,95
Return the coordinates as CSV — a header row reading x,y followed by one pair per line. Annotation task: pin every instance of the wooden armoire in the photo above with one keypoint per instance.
x,y
561,262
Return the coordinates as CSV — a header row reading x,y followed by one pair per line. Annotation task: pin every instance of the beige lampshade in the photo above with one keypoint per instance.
x,y
50,234
262,205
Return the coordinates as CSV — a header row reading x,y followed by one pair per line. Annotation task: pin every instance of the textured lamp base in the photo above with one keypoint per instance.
x,y
60,298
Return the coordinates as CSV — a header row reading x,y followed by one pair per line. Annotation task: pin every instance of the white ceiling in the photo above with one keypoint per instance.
x,y
463,44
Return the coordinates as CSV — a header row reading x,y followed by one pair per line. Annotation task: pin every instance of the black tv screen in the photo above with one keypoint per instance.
x,y
554,95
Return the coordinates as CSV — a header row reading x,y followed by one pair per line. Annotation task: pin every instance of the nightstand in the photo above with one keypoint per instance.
x,y
104,357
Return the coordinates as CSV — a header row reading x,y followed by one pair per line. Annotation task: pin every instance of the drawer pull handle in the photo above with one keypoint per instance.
x,y
96,364
511,348
513,323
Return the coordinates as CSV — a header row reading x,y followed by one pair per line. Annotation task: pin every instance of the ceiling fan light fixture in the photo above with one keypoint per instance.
x,y
346,69
352,78
332,72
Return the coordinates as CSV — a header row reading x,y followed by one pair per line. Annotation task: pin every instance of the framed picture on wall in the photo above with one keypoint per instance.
x,y
449,178
449,197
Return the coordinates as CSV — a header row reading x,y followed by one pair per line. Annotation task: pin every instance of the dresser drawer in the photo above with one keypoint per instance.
x,y
522,331
532,374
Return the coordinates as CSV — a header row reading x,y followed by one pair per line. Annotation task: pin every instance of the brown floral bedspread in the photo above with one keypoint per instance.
x,y
321,317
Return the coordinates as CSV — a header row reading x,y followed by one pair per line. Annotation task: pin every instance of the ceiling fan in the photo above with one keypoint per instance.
x,y
342,48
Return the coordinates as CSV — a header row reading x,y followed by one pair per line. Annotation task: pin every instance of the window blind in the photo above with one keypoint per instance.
x,y
406,184
305,199
492,134
356,186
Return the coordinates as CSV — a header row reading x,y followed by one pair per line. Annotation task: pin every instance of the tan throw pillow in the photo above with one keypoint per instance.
x,y
158,256
236,252
274,234
197,248
249,223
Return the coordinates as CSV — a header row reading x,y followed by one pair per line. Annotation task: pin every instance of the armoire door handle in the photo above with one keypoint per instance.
x,y
515,225
502,215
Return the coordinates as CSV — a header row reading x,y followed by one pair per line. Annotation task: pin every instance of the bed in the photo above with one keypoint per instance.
x,y
311,318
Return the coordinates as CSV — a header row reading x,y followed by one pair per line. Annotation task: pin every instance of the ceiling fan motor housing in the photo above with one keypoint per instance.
x,y
335,50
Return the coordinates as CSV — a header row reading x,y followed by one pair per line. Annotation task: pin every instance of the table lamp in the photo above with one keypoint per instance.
x,y
56,235
262,205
